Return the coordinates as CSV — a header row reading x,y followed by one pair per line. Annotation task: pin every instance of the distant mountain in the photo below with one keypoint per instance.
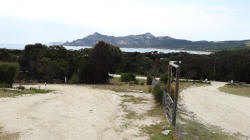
x,y
148,40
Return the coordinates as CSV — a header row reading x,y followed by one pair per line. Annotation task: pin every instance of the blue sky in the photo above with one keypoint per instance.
x,y
30,21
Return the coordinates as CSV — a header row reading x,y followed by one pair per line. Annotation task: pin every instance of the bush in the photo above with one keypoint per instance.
x,y
74,79
164,78
150,89
35,90
5,85
127,77
7,74
21,87
149,80
142,83
172,91
136,82
158,93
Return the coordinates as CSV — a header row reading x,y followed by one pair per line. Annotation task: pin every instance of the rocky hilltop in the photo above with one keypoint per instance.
x,y
148,40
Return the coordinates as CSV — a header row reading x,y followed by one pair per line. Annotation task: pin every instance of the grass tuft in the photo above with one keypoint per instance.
x,y
240,90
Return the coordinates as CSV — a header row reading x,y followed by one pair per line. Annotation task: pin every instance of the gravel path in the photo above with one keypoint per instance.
x,y
74,112
213,107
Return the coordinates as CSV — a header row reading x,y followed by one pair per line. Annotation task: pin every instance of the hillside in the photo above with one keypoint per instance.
x,y
148,40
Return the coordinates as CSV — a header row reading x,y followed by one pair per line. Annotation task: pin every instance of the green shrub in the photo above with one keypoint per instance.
x,y
149,79
158,93
142,83
5,85
7,74
136,82
35,90
126,77
74,79
21,87
150,89
164,78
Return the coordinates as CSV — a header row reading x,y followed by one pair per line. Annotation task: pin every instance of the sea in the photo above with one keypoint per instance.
x,y
140,50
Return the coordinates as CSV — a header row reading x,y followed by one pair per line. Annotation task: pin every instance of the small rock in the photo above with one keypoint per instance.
x,y
165,132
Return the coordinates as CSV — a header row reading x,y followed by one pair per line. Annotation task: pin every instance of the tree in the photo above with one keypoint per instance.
x,y
103,59
7,74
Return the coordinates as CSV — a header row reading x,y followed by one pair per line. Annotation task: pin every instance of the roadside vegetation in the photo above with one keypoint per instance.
x,y
190,129
55,64
8,71
21,90
194,130
51,64
116,85
8,136
236,89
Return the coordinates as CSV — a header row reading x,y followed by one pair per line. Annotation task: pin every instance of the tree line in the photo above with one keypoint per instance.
x,y
41,63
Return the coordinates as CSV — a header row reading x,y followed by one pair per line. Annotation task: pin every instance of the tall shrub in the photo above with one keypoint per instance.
x,y
127,77
158,93
103,59
7,74
149,79
164,78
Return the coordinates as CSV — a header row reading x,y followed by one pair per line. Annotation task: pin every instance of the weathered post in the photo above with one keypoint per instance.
x,y
176,95
169,78
170,103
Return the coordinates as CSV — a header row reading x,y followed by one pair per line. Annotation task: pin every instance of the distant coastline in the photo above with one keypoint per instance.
x,y
124,49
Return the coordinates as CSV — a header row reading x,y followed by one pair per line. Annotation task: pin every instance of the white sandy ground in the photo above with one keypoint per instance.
x,y
72,112
213,107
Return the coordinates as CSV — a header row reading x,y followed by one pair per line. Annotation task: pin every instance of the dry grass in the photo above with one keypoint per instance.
x,y
14,93
236,89
191,129
8,136
154,131
117,86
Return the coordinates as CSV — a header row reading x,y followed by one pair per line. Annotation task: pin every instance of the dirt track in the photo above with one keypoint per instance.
x,y
213,107
73,112
83,114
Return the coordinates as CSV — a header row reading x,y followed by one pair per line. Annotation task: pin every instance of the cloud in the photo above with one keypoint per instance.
x,y
188,20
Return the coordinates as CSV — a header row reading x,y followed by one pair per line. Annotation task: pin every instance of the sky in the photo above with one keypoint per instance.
x,y
44,21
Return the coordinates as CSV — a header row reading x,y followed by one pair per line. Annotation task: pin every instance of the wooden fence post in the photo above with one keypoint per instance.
x,y
176,96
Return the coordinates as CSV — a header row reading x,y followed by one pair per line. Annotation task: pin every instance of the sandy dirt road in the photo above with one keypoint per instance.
x,y
72,112
213,107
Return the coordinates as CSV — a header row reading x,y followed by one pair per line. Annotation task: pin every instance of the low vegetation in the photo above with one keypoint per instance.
x,y
154,131
158,93
52,64
190,129
164,78
8,72
149,79
8,136
116,85
127,77
20,90
236,89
